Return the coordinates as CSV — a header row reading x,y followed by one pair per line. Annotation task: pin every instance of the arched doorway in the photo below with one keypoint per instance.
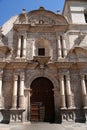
x,y
42,93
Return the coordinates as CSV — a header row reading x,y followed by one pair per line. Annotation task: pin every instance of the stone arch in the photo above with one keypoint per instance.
x,y
56,91
42,43
49,76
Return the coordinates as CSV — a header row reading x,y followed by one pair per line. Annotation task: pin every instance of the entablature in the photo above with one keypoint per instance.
x,y
40,28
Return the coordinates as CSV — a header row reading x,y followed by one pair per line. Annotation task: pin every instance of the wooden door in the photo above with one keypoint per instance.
x,y
42,92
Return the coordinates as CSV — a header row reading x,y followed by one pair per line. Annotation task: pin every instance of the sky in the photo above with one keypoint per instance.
x,y
9,8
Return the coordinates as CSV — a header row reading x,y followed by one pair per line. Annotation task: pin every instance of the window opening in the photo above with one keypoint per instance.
x,y
41,51
22,41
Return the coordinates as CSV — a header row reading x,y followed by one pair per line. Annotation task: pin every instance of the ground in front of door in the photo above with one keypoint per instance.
x,y
44,126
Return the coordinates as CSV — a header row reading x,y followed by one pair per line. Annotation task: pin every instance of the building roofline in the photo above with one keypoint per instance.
x,y
69,1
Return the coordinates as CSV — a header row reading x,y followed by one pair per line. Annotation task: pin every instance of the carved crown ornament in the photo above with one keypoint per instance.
x,y
40,18
42,60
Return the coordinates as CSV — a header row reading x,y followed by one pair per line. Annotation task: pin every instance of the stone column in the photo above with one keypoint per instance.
x,y
19,47
64,46
62,92
29,103
21,93
59,47
1,96
68,92
84,92
14,100
24,48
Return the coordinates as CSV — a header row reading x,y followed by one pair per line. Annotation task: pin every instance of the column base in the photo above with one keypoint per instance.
x,y
23,57
85,107
60,57
71,108
18,57
63,108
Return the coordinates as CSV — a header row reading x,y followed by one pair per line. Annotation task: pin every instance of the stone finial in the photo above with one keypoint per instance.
x,y
58,11
41,8
23,10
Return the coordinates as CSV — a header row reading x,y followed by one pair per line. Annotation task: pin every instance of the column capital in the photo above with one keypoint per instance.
x,y
82,76
19,35
22,76
15,77
61,77
1,73
68,77
63,37
25,35
58,37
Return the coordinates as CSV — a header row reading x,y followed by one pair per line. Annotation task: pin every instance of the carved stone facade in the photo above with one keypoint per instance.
x,y
43,61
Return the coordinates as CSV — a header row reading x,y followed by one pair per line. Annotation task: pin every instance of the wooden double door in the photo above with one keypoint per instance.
x,y
42,93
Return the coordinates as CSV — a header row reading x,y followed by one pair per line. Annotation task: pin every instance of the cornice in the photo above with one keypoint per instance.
x,y
40,28
34,64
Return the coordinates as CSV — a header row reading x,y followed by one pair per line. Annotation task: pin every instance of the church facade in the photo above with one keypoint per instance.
x,y
43,65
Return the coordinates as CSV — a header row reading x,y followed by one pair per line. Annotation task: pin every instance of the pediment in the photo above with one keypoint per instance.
x,y
41,17
78,54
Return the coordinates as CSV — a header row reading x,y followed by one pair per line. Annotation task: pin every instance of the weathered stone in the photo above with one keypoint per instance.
x,y
43,45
